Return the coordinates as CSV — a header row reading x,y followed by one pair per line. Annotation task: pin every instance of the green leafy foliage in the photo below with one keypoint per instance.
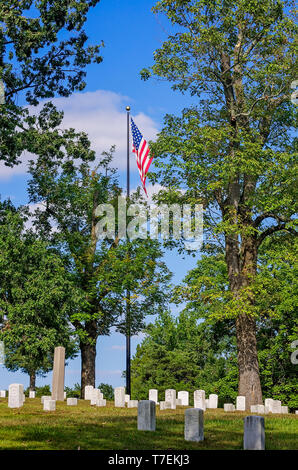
x,y
107,390
35,299
184,354
44,51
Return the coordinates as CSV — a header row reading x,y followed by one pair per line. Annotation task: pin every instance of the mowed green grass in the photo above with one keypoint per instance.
x,y
87,427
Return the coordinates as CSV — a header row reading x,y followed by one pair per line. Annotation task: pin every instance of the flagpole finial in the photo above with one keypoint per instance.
x,y
127,108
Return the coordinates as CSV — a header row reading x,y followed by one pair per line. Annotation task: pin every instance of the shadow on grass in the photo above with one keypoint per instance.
x,y
89,428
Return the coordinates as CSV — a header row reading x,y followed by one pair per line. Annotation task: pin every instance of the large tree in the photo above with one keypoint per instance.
x,y
205,289
103,270
43,53
233,150
36,297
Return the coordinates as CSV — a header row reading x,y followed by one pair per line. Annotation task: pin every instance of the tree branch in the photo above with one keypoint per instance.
x,y
269,231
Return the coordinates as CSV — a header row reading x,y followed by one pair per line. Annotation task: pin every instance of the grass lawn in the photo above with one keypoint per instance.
x,y
98,428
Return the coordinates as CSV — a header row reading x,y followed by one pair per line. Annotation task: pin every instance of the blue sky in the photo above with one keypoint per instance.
x,y
131,33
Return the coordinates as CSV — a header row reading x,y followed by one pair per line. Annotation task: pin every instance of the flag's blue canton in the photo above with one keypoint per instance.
x,y
136,135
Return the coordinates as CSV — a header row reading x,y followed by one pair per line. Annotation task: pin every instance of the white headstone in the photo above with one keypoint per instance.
x,y
15,395
71,401
132,404
88,392
269,404
164,405
199,399
170,396
207,403
119,397
184,397
240,403
45,397
153,395
64,395
284,409
95,395
49,405
32,394
276,407
126,398
261,409
2,393
101,402
229,407
213,401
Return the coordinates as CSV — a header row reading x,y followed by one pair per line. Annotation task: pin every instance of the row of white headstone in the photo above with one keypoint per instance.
x,y
16,396
16,399
94,395
270,406
172,399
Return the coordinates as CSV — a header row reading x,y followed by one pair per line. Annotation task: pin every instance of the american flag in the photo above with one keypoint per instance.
x,y
142,151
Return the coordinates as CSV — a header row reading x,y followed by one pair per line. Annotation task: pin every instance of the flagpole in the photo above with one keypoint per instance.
x,y
128,353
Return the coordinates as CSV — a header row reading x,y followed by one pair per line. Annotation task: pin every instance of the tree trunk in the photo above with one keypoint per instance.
x,y
242,270
249,384
32,376
88,355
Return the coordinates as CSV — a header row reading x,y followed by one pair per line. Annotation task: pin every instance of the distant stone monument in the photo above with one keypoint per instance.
x,y
2,393
58,374
31,394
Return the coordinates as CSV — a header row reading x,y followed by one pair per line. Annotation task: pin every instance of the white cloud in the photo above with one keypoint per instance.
x,y
32,208
7,172
102,115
